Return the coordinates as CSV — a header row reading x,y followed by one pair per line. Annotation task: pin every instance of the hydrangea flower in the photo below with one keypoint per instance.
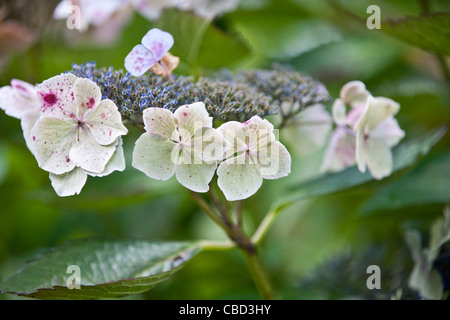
x,y
365,134
155,44
77,134
182,143
20,101
254,155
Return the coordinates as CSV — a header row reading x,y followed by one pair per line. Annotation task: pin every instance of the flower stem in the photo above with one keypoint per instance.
x,y
239,238
259,276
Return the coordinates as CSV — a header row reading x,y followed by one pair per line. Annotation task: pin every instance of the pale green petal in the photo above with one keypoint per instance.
x,y
160,123
27,123
116,163
377,110
89,154
105,123
339,112
388,131
354,94
376,154
238,178
87,96
193,117
275,162
211,143
70,183
229,131
51,141
157,158
193,173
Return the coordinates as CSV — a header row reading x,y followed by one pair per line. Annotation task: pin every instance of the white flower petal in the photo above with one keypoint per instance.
x,y
275,162
377,110
354,94
195,174
63,10
27,123
339,112
87,96
56,97
257,132
376,154
154,157
105,123
340,152
116,163
89,154
193,117
158,42
353,116
229,131
139,60
159,123
212,144
70,183
388,131
238,178
19,99
51,141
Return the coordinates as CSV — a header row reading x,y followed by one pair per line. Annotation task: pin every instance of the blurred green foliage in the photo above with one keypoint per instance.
x,y
317,37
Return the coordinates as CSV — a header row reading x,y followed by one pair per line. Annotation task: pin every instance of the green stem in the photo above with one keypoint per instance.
x,y
267,222
237,236
259,277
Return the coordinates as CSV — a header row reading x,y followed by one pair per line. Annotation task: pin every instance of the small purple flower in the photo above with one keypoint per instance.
x,y
155,44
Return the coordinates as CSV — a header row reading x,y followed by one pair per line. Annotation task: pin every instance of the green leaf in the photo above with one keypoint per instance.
x,y
199,43
429,32
108,269
428,183
404,156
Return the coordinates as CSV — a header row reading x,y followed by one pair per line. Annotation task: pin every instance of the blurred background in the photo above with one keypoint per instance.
x,y
317,249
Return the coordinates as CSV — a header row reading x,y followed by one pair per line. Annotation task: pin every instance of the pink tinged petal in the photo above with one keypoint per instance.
x,y
51,141
377,110
154,157
257,132
275,162
388,131
158,42
193,173
26,90
238,178
353,116
99,11
354,94
159,123
139,60
105,123
339,112
340,152
88,154
116,163
70,183
87,96
56,98
375,154
193,117
19,99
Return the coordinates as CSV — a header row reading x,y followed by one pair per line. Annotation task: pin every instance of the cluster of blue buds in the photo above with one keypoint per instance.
x,y
228,96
